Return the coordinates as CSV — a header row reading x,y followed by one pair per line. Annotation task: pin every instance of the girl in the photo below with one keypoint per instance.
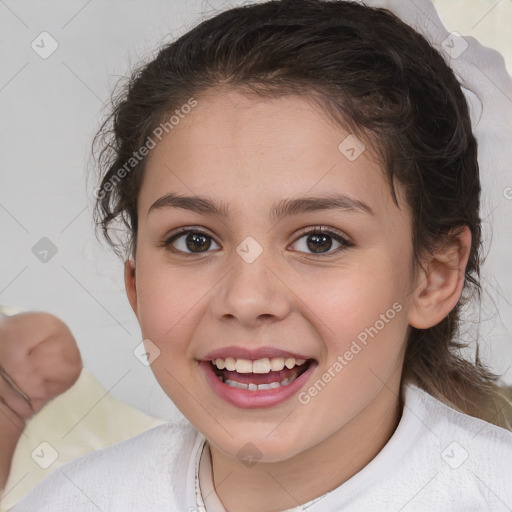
x,y
300,185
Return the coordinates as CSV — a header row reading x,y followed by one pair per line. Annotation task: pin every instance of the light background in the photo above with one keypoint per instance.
x,y
50,110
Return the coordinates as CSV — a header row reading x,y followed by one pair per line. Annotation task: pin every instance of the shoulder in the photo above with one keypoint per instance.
x,y
464,450
458,423
158,445
144,470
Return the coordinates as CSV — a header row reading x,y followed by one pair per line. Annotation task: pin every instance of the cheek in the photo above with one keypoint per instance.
x,y
356,299
364,329
168,309
363,325
167,303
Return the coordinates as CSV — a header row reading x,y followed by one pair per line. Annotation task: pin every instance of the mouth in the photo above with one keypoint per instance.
x,y
262,374
257,383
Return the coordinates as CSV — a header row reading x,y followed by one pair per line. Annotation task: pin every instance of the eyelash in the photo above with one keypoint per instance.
x,y
322,230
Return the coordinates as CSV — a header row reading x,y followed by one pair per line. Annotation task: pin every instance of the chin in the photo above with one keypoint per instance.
x,y
256,448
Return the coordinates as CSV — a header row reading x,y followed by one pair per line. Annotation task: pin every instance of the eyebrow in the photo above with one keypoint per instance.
x,y
284,208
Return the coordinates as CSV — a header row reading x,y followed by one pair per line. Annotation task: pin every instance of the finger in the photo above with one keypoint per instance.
x,y
26,331
12,416
21,406
13,384
46,359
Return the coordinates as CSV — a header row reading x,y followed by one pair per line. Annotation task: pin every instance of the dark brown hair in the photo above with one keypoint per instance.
x,y
371,73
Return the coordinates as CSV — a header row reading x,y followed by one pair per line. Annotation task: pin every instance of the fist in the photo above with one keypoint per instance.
x,y
39,359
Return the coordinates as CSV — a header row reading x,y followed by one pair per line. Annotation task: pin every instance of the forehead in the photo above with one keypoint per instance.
x,y
252,152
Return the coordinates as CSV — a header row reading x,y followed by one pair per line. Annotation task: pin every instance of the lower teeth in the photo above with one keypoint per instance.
x,y
257,387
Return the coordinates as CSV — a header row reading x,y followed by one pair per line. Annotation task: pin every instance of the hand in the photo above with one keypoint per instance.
x,y
39,360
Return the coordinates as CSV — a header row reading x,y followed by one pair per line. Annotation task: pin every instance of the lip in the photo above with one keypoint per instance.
x,y
245,399
252,354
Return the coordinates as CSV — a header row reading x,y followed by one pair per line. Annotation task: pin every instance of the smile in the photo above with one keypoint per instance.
x,y
260,374
258,383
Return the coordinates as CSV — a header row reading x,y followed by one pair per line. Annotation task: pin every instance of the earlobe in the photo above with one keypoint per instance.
x,y
442,283
130,284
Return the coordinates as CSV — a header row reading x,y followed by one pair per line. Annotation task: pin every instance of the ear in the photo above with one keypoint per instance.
x,y
442,283
130,284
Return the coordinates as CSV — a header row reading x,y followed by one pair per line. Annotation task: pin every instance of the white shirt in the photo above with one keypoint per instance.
x,y
206,497
438,459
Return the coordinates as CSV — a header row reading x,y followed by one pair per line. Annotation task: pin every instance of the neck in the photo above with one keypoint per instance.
x,y
277,486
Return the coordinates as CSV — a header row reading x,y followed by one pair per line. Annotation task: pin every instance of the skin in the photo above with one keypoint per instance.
x,y
39,353
249,154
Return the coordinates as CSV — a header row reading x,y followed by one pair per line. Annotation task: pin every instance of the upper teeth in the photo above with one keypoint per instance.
x,y
264,365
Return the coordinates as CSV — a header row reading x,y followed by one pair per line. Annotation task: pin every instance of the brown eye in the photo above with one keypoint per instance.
x,y
189,241
320,240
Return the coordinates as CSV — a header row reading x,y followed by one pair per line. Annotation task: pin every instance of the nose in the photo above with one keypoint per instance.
x,y
252,293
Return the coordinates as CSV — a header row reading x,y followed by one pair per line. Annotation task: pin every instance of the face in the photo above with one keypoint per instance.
x,y
260,288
